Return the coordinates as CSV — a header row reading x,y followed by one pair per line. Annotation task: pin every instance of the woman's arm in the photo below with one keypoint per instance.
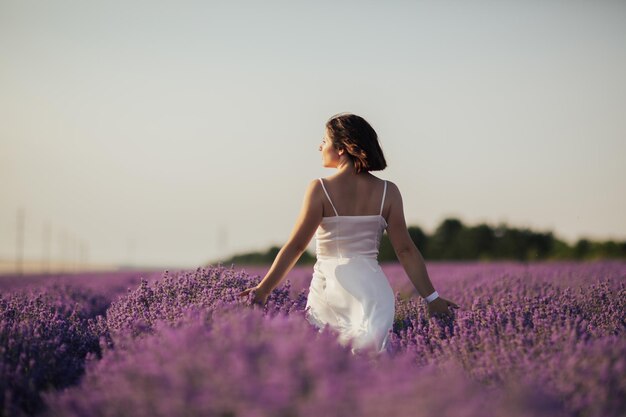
x,y
408,254
309,219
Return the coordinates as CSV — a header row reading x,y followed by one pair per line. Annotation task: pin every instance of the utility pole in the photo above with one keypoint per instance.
x,y
130,251
45,267
222,242
63,247
19,250
70,251
83,255
74,252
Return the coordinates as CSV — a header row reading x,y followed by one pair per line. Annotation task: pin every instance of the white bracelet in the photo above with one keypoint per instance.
x,y
432,297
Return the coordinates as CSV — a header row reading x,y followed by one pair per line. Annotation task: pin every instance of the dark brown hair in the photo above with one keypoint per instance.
x,y
352,133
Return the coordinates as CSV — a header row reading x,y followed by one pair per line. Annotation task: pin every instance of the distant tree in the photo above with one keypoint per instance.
x,y
452,240
386,252
609,249
561,250
511,244
476,242
265,258
444,243
540,245
272,252
582,249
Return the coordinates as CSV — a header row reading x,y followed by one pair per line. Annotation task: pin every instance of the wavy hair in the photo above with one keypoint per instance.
x,y
359,139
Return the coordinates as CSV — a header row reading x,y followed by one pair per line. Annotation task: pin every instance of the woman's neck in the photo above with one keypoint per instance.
x,y
345,168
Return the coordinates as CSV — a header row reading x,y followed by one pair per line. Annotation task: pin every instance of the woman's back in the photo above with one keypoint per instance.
x,y
356,195
347,236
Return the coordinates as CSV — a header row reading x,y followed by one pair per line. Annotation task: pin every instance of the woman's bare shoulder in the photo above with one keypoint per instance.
x,y
393,192
314,184
314,187
392,186
329,178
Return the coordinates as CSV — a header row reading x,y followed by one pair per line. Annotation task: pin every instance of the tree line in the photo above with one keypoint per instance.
x,y
452,240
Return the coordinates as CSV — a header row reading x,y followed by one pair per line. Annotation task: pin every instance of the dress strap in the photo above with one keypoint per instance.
x,y
383,202
325,192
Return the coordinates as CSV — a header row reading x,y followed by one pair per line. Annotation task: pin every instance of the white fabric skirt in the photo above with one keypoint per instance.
x,y
353,297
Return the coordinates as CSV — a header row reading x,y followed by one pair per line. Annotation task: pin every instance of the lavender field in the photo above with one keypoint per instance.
x,y
536,339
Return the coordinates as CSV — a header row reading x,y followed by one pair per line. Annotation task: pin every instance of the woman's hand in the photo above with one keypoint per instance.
x,y
260,296
439,307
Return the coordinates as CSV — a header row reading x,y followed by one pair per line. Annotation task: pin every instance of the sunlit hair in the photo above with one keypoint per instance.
x,y
358,138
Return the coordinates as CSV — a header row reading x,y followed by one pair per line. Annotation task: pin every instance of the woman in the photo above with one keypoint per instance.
x,y
348,212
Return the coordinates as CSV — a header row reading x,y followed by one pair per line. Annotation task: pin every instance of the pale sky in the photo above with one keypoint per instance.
x,y
174,133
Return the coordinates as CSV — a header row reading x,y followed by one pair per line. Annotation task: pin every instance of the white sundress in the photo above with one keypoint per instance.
x,y
349,291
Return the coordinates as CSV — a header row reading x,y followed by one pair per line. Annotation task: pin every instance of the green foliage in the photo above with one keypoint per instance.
x,y
452,240
264,258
